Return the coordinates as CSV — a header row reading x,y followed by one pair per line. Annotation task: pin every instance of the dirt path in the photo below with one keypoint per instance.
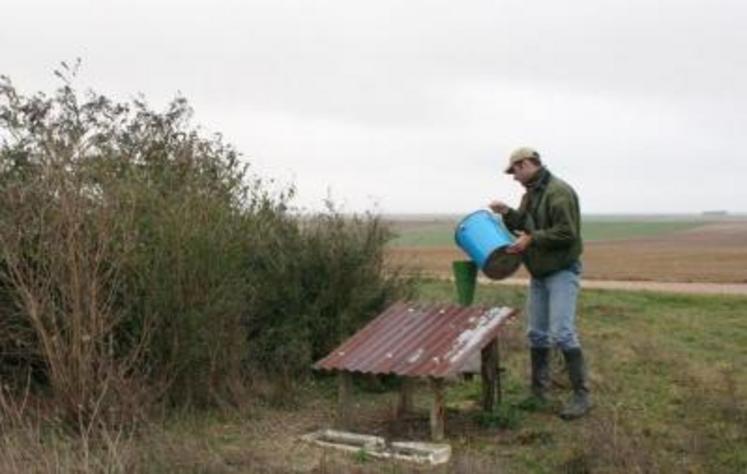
x,y
657,286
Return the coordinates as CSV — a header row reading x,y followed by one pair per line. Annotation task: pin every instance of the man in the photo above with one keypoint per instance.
x,y
548,225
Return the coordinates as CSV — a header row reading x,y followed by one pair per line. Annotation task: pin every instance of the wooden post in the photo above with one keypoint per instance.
x,y
405,404
438,410
344,398
489,370
374,383
498,370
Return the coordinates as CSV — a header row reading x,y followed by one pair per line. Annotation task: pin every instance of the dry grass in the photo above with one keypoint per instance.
x,y
35,440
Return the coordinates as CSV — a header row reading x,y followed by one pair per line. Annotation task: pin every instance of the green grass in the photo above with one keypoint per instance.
x,y
668,377
441,233
669,382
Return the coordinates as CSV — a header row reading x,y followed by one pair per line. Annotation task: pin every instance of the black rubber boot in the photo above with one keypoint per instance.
x,y
580,402
540,357
540,371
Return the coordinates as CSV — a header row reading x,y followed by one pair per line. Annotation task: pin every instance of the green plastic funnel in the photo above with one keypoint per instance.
x,y
465,277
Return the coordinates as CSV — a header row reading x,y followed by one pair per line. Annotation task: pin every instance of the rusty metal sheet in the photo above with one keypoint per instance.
x,y
419,339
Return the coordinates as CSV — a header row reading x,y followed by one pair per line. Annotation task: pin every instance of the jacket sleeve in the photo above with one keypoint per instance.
x,y
515,219
564,224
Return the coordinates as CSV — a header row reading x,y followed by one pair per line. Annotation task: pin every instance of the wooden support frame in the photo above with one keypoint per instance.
x,y
438,410
491,393
344,399
498,372
490,371
405,403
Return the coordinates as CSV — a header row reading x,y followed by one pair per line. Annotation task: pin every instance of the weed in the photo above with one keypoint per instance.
x,y
361,456
504,417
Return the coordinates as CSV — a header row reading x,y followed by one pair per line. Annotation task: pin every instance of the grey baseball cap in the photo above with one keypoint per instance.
x,y
520,154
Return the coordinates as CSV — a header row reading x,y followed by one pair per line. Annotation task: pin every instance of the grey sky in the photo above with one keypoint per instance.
x,y
414,105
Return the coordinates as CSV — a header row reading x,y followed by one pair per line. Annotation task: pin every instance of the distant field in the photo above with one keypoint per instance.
x,y
440,233
664,249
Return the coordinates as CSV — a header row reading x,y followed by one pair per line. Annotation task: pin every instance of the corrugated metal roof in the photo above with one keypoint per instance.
x,y
417,339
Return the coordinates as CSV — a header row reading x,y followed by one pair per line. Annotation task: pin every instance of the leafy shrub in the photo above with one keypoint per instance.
x,y
314,283
139,260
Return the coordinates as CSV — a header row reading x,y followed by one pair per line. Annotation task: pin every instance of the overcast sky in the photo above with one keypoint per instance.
x,y
414,106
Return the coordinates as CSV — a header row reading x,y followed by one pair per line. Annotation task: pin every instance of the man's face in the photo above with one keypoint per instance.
x,y
524,170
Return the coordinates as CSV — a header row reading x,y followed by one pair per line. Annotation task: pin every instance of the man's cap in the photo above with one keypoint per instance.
x,y
520,154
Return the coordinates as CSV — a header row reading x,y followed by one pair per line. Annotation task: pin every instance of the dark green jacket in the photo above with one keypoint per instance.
x,y
549,211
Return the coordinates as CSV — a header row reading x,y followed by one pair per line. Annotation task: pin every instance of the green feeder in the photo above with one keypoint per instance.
x,y
465,276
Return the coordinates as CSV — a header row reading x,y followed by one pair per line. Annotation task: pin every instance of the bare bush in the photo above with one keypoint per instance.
x,y
61,260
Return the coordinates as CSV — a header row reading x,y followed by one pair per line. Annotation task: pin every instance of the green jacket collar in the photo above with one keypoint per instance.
x,y
539,181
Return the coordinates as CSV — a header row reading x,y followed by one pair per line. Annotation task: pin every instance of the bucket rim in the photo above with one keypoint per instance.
x,y
496,218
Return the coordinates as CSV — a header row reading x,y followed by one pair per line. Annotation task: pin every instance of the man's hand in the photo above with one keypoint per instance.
x,y
520,245
499,207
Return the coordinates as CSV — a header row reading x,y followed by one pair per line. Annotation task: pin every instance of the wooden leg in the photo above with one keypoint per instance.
x,y
489,369
438,411
344,399
498,370
405,404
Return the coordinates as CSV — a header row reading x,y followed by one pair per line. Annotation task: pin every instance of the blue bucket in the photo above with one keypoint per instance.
x,y
483,236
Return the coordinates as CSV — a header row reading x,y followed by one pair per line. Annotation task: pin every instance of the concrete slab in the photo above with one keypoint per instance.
x,y
376,446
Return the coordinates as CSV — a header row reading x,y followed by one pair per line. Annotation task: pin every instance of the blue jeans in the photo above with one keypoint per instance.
x,y
551,309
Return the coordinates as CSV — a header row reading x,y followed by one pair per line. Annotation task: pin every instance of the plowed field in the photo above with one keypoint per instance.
x,y
713,252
